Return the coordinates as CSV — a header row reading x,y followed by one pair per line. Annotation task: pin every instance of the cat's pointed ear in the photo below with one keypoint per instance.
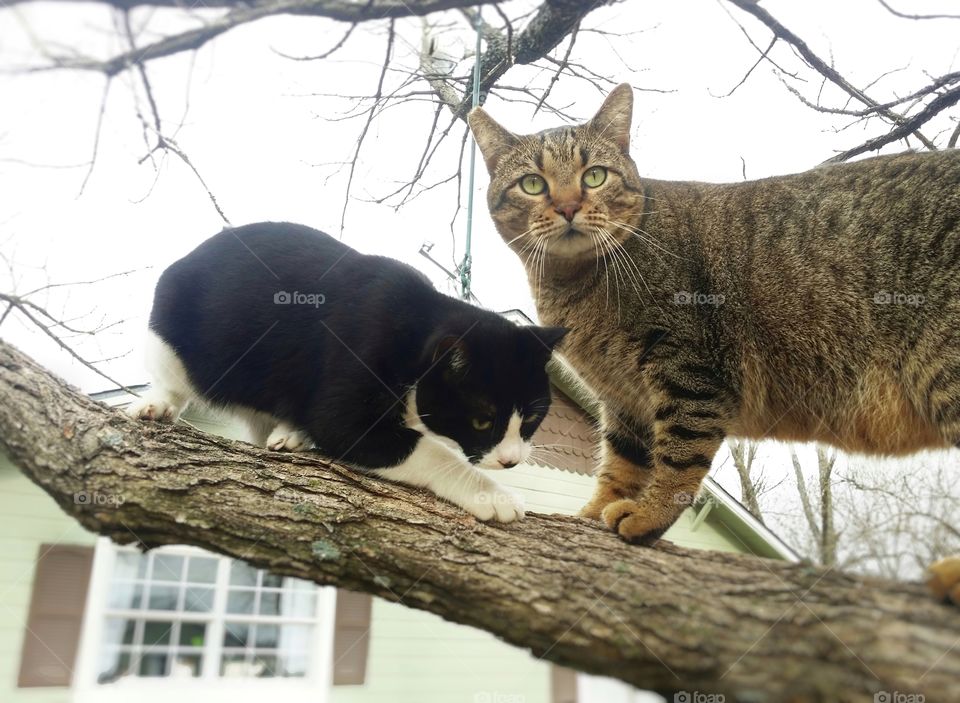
x,y
615,115
451,353
494,141
549,337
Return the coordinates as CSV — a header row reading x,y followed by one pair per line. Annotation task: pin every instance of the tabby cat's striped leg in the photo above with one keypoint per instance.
x,y
688,429
625,462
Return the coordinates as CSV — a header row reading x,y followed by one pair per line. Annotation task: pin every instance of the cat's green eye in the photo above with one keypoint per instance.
x,y
532,184
482,424
531,418
594,176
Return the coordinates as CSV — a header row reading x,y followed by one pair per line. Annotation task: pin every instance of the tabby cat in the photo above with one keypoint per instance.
x,y
822,306
313,343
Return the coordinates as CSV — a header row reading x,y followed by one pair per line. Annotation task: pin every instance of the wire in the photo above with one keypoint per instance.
x,y
466,266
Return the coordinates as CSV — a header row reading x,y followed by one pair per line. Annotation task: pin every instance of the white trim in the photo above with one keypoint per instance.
x,y
717,493
312,688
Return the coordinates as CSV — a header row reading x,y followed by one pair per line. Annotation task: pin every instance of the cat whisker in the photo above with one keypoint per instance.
x,y
520,236
645,237
606,270
620,262
620,254
617,265
552,446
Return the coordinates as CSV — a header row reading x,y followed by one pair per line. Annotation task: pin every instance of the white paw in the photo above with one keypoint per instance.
x,y
494,503
285,439
154,410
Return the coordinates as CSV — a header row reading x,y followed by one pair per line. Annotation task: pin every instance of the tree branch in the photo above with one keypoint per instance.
x,y
824,69
559,586
244,13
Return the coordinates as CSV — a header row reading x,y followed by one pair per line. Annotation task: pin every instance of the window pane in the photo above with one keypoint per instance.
x,y
272,581
163,597
202,570
298,603
292,665
269,603
192,634
236,634
299,584
117,631
242,574
234,665
154,663
114,664
240,602
186,665
130,565
129,630
264,664
156,633
267,635
198,600
125,596
167,567
294,639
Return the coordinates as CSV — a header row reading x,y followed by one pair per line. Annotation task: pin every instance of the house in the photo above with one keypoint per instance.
x,y
87,621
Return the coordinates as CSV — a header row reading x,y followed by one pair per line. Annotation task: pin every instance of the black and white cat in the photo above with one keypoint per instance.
x,y
313,343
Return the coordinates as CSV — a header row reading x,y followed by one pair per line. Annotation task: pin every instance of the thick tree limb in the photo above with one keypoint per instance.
x,y
669,619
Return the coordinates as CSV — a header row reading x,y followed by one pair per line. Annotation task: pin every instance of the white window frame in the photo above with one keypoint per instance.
x,y
313,687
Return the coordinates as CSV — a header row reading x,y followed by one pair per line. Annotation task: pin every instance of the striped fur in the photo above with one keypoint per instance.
x,y
819,306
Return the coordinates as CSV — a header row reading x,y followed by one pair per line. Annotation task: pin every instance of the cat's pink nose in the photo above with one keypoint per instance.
x,y
568,210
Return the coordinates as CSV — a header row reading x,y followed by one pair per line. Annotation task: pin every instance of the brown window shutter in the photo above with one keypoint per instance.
x,y
351,637
52,633
563,685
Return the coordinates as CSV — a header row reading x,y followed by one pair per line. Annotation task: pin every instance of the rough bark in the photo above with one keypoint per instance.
x,y
668,619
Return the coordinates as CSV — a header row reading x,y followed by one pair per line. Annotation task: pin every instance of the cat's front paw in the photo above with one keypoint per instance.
x,y
287,439
494,503
154,409
634,522
943,578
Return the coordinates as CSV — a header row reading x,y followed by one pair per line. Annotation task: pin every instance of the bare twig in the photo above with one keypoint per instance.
x,y
917,17
24,307
96,136
391,35
935,107
826,70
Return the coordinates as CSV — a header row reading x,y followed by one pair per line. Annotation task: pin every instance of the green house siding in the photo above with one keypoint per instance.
x,y
28,518
417,657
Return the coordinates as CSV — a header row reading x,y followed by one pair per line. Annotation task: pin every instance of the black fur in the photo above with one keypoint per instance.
x,y
340,367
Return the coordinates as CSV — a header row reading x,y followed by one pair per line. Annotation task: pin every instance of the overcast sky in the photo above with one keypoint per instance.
x,y
257,127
